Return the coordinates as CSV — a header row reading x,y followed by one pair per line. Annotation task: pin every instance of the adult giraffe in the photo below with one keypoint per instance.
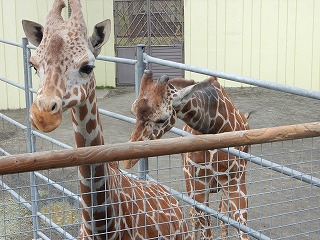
x,y
206,109
113,205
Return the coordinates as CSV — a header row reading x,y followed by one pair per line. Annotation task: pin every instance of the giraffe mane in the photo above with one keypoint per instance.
x,y
207,82
180,83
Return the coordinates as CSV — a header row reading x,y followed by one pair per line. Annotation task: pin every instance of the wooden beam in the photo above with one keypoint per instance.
x,y
132,150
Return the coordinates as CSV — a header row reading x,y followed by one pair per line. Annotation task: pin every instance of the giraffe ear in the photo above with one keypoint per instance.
x,y
100,36
146,80
33,31
164,79
133,108
184,94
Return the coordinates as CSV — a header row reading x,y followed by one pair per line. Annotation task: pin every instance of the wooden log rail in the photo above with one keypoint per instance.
x,y
132,150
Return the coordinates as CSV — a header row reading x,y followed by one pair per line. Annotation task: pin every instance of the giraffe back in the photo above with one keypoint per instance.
x,y
209,109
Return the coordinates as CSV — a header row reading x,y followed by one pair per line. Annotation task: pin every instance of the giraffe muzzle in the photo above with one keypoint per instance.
x,y
127,164
130,163
45,121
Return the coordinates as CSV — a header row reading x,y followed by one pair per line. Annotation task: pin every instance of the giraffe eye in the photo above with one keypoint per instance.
x,y
87,69
160,121
35,69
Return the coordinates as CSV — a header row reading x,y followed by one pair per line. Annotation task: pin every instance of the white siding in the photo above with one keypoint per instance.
x,y
271,40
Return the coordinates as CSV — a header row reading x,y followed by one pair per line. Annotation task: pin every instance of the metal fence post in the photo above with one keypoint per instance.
x,y
31,144
140,66
143,166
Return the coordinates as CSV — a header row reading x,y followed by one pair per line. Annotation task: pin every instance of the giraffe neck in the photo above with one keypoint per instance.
x,y
94,180
210,111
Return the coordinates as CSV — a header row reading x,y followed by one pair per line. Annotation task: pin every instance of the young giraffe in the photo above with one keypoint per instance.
x,y
206,109
113,205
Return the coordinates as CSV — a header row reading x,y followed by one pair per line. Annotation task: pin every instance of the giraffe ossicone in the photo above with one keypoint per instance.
x,y
114,206
205,108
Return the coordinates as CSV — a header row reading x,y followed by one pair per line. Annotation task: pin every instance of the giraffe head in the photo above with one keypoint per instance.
x,y
64,60
155,107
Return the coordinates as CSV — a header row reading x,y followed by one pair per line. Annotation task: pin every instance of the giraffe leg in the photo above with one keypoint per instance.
x,y
235,203
201,222
238,203
223,208
198,185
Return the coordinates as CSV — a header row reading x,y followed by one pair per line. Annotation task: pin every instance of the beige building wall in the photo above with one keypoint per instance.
x,y
11,65
273,40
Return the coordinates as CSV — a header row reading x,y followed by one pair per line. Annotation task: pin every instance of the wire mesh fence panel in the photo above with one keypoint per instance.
x,y
16,217
282,207
279,206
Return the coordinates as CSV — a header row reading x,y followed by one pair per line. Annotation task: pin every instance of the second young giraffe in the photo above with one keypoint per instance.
x,y
114,206
205,108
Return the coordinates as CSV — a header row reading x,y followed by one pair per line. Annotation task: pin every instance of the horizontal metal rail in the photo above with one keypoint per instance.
x,y
236,78
11,43
16,84
117,116
13,83
99,57
52,140
31,47
4,152
117,59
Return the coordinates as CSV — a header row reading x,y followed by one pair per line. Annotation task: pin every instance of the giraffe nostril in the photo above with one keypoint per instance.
x,y
54,107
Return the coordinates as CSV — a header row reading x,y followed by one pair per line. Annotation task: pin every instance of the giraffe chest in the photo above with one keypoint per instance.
x,y
209,167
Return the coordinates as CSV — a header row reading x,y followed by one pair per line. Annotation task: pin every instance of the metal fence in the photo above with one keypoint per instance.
x,y
283,176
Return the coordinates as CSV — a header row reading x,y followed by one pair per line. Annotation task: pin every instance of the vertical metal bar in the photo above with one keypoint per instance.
x,y
140,66
143,166
31,146
149,26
